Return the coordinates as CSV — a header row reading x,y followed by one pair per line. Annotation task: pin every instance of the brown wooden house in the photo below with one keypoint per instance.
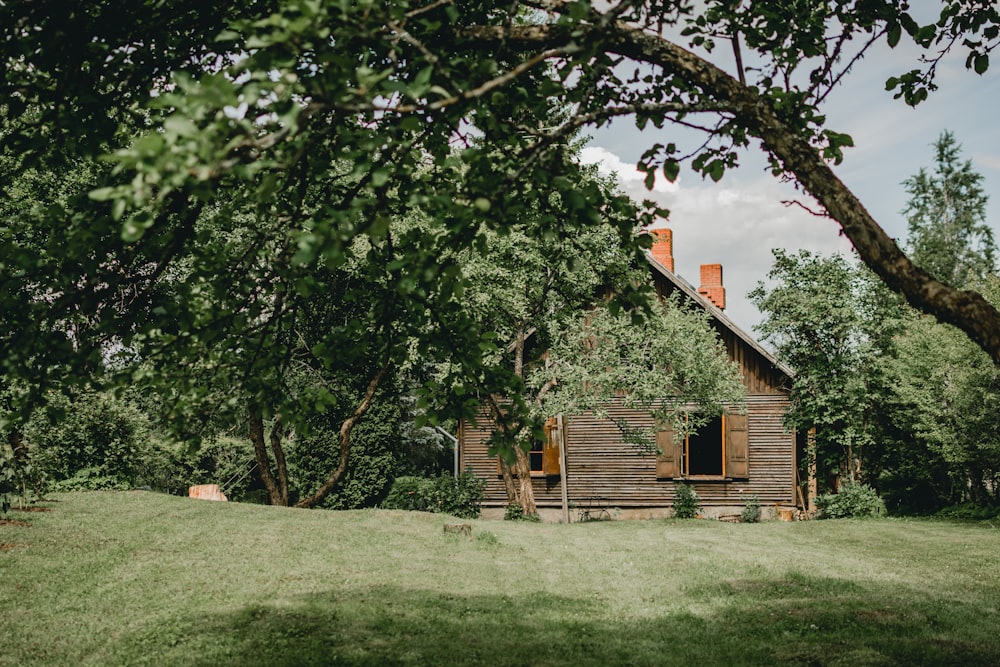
x,y
597,474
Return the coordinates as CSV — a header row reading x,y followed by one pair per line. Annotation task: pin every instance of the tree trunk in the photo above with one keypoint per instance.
x,y
344,440
527,493
276,491
508,483
16,442
279,457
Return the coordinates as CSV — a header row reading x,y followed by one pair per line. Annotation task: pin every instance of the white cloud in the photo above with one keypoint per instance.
x,y
608,163
988,160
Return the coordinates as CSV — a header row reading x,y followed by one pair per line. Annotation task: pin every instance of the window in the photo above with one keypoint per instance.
x,y
702,455
718,451
536,457
543,458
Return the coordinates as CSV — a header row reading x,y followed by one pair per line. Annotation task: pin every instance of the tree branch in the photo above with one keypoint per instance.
x,y
966,310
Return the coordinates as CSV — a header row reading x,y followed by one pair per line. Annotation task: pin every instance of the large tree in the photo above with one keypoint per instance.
x,y
328,119
947,397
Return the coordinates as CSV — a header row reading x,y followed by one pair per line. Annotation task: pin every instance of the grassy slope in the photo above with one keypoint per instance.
x,y
139,578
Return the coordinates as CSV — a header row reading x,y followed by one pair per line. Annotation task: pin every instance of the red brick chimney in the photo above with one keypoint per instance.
x,y
711,285
663,247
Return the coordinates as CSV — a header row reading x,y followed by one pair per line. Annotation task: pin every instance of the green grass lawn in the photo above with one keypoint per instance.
x,y
140,578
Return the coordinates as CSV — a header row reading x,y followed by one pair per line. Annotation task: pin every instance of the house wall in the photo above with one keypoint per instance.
x,y
600,465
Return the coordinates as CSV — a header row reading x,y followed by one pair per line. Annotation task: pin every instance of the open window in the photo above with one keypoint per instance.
x,y
718,451
543,457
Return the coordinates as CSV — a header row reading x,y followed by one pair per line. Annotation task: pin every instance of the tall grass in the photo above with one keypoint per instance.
x,y
144,579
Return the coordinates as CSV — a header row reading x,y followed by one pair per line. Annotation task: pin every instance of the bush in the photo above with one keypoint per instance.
x,y
462,497
376,453
8,480
687,504
851,500
20,481
408,493
91,442
751,509
970,512
515,512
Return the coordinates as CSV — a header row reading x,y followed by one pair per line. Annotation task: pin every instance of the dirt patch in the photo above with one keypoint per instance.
x,y
4,546
14,522
34,508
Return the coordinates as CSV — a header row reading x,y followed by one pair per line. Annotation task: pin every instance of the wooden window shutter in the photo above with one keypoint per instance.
x,y
737,446
668,462
550,449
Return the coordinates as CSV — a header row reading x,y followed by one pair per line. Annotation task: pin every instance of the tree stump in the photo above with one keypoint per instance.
x,y
460,528
207,492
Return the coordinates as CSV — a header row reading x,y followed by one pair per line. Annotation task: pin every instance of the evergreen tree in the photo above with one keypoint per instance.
x,y
948,234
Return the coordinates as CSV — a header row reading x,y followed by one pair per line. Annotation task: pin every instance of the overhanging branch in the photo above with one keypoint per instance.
x,y
967,310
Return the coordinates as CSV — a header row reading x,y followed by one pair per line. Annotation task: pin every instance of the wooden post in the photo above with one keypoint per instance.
x,y
561,429
812,484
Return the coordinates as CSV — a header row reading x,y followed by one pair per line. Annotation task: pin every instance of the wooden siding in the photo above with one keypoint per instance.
x,y
599,464
759,375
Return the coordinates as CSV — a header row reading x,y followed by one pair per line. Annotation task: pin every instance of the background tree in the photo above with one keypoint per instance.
x,y
947,396
669,362
910,400
833,324
946,212
524,290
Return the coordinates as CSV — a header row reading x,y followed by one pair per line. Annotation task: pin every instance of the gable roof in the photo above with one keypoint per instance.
x,y
688,290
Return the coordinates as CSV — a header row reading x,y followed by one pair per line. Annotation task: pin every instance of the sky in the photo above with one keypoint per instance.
x,y
738,221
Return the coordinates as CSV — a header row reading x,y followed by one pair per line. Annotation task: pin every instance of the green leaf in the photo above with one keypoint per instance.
x,y
895,32
380,177
716,169
981,63
102,194
118,209
671,169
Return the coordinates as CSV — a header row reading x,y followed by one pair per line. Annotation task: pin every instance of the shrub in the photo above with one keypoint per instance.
x,y
91,479
91,442
687,504
751,509
376,452
969,511
851,500
407,493
515,512
8,480
461,497
20,481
